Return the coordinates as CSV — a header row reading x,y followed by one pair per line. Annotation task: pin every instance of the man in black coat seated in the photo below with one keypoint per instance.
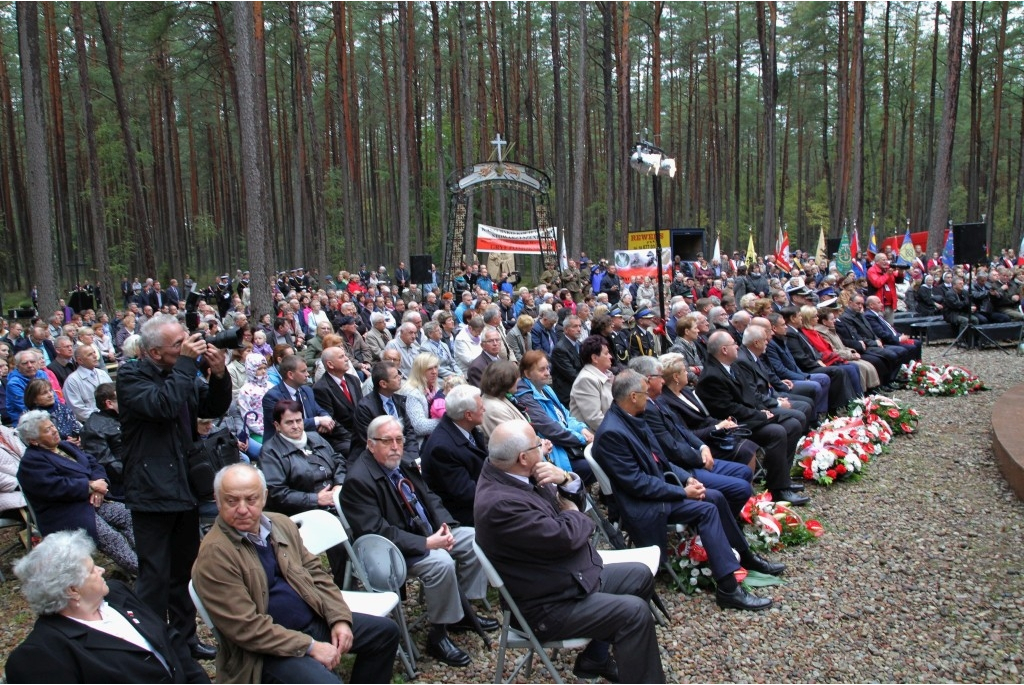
x,y
875,316
531,527
451,458
856,333
728,389
565,359
101,437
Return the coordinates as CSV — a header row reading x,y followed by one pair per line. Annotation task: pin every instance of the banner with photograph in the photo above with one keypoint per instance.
x,y
642,263
493,239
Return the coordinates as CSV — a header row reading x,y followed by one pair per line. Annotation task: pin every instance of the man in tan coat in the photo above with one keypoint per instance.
x,y
280,616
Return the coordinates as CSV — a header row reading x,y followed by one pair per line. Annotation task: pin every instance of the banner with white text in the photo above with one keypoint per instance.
x,y
493,239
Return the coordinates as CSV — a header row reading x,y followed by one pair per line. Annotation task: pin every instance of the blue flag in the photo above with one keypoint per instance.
x,y
872,242
947,250
907,254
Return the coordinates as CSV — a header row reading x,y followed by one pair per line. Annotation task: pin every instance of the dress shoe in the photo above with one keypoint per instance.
x,y
588,669
201,651
489,625
794,498
755,562
796,487
741,599
443,649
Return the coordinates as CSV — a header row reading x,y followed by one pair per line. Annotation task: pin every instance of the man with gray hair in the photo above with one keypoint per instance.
x,y
160,399
80,387
492,321
386,495
652,492
531,525
435,345
452,456
378,337
406,345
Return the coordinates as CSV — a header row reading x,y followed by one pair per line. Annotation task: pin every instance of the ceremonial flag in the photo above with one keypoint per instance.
x,y
751,252
907,254
858,268
843,262
563,259
947,251
821,254
717,254
872,242
782,252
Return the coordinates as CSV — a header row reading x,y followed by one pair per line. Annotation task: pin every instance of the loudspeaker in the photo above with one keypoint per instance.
x,y
832,246
969,243
419,268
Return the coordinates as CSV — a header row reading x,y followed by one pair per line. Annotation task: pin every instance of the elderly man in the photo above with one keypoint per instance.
x,y
281,617
63,364
467,343
874,314
339,391
38,339
728,389
882,280
540,542
406,345
493,321
387,496
453,454
28,365
648,499
80,387
378,337
543,336
434,344
160,399
565,359
490,344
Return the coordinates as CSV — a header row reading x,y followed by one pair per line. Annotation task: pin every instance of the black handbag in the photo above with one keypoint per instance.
x,y
208,456
728,439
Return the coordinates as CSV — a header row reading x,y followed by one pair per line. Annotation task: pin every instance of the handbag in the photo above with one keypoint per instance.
x,y
208,456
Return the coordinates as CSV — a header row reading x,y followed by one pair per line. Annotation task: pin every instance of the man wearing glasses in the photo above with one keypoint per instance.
x,y
387,496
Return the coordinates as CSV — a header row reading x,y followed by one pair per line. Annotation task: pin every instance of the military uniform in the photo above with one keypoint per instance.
x,y
572,281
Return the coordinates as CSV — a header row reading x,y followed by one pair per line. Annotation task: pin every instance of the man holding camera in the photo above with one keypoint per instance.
x,y
160,399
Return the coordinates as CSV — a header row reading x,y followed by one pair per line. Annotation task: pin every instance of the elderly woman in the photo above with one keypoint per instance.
x,y
804,321
89,631
131,349
498,390
67,490
11,450
826,328
518,337
591,394
550,419
420,389
39,395
687,333
127,329
103,343
302,470
250,398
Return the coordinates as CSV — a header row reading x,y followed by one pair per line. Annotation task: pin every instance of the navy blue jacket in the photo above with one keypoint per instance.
x,y
451,464
58,488
310,408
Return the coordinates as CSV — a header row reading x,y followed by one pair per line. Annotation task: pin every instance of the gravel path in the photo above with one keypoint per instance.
x,y
918,578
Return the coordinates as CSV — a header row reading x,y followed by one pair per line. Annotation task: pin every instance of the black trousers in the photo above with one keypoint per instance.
x,y
775,439
167,544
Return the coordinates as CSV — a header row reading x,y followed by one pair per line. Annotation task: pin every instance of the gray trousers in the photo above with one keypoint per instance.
x,y
443,573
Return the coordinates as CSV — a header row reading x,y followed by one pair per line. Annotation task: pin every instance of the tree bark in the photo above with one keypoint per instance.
x,y
766,26
579,169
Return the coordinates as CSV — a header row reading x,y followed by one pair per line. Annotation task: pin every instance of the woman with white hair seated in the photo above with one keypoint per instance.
x,y
89,631
67,490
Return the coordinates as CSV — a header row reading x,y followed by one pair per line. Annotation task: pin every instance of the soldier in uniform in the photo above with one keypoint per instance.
x,y
243,283
620,339
641,340
572,281
550,277
223,295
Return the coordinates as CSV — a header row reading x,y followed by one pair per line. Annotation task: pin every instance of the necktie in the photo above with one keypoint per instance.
x,y
345,391
389,407
298,398
408,495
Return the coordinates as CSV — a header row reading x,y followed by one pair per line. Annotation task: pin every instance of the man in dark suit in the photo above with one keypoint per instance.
x,y
38,338
452,456
566,591
785,367
384,494
157,297
565,359
543,334
856,333
728,389
383,399
294,374
648,499
874,314
490,344
772,389
845,377
339,392
173,293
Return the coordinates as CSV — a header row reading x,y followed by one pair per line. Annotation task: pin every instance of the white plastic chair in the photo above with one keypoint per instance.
x,y
521,637
320,530
203,614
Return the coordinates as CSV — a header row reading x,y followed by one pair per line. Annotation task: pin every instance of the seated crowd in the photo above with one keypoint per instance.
x,y
437,420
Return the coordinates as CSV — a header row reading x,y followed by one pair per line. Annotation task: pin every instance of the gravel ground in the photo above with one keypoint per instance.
x,y
918,578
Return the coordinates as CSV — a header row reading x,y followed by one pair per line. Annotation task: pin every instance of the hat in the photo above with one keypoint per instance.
x,y
222,276
800,290
645,314
346,320
615,312
828,304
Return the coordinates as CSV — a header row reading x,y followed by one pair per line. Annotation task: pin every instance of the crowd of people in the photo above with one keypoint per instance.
x,y
436,418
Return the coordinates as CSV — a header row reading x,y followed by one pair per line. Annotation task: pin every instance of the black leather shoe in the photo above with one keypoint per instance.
x,y
588,669
201,651
755,562
794,498
741,599
489,625
443,649
796,487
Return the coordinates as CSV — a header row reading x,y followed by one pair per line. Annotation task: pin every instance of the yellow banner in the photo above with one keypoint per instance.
x,y
645,240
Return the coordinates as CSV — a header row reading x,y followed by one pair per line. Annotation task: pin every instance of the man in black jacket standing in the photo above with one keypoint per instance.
x,y
160,399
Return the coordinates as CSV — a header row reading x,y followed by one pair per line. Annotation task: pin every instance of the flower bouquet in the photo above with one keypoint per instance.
x,y
690,560
900,417
775,525
940,380
841,448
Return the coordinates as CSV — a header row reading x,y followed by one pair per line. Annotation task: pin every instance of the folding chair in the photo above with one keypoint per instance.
x,y
321,530
606,487
203,614
520,635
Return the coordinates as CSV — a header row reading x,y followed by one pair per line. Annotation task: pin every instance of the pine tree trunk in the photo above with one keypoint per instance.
x,y
770,87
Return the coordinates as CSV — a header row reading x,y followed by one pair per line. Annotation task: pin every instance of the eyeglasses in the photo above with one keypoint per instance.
x,y
653,375
396,442
535,447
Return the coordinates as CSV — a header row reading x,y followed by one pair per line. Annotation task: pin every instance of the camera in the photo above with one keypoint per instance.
x,y
228,339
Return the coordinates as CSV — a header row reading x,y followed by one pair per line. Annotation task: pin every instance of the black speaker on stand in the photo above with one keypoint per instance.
x,y
832,247
969,244
419,268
